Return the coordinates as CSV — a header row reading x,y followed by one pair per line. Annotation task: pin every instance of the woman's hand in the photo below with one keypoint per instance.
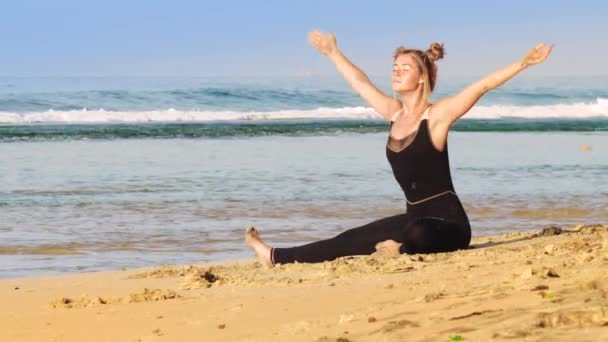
x,y
325,43
382,103
388,247
537,54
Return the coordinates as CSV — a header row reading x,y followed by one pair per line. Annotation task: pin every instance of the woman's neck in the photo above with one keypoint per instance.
x,y
413,104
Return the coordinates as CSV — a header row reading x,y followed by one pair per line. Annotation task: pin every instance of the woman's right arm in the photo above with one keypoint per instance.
x,y
379,101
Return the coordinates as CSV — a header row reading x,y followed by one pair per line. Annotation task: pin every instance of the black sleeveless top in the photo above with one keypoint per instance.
x,y
423,172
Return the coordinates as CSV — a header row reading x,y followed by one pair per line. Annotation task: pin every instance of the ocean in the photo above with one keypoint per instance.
x,y
103,173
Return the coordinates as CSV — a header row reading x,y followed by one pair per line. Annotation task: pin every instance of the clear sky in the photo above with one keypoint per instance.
x,y
251,38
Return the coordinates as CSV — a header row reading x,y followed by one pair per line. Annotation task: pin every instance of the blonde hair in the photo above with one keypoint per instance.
x,y
425,62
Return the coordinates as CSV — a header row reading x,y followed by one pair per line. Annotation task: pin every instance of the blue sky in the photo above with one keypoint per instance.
x,y
268,38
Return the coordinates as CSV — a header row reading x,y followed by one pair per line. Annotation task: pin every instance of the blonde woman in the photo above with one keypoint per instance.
x,y
417,150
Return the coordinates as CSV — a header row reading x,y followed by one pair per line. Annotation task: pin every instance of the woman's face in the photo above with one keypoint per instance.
x,y
406,77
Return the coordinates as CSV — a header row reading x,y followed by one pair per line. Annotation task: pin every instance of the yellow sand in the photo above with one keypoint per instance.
x,y
521,286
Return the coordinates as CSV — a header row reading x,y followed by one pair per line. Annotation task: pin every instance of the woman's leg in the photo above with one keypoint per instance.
x,y
434,235
357,241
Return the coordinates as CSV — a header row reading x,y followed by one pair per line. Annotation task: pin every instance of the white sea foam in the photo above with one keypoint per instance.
x,y
574,110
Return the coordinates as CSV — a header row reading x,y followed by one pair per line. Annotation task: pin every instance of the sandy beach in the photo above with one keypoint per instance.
x,y
546,285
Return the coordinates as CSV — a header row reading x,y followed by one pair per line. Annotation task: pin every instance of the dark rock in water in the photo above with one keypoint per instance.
x,y
550,231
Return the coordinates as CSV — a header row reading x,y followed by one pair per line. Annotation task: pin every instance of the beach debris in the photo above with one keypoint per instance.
x,y
63,301
550,231
455,338
547,294
157,332
539,288
199,279
221,326
99,300
371,319
546,272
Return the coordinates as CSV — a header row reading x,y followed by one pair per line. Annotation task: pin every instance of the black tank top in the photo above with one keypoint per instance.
x,y
423,172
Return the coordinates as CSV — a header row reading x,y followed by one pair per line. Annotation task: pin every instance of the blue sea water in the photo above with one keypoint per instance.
x,y
101,173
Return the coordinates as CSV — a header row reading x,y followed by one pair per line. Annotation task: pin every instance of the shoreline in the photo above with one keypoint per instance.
x,y
547,285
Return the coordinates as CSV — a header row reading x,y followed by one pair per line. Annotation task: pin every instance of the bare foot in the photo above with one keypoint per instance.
x,y
254,240
388,248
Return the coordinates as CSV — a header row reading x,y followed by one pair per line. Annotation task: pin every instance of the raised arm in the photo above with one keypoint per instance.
x,y
450,109
382,103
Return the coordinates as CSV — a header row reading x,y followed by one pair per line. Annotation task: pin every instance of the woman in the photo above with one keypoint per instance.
x,y
417,150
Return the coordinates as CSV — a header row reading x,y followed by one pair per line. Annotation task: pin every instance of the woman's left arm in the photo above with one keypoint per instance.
x,y
450,109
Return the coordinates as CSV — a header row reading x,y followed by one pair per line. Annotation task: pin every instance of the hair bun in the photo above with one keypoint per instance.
x,y
435,52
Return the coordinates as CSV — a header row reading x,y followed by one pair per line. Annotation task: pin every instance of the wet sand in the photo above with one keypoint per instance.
x,y
547,285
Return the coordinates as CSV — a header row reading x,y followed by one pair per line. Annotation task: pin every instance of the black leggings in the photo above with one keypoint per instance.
x,y
417,234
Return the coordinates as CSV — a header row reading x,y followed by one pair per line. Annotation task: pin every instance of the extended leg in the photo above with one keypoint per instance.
x,y
357,241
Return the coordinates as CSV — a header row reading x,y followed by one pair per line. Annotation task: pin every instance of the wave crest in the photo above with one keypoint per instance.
x,y
576,110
